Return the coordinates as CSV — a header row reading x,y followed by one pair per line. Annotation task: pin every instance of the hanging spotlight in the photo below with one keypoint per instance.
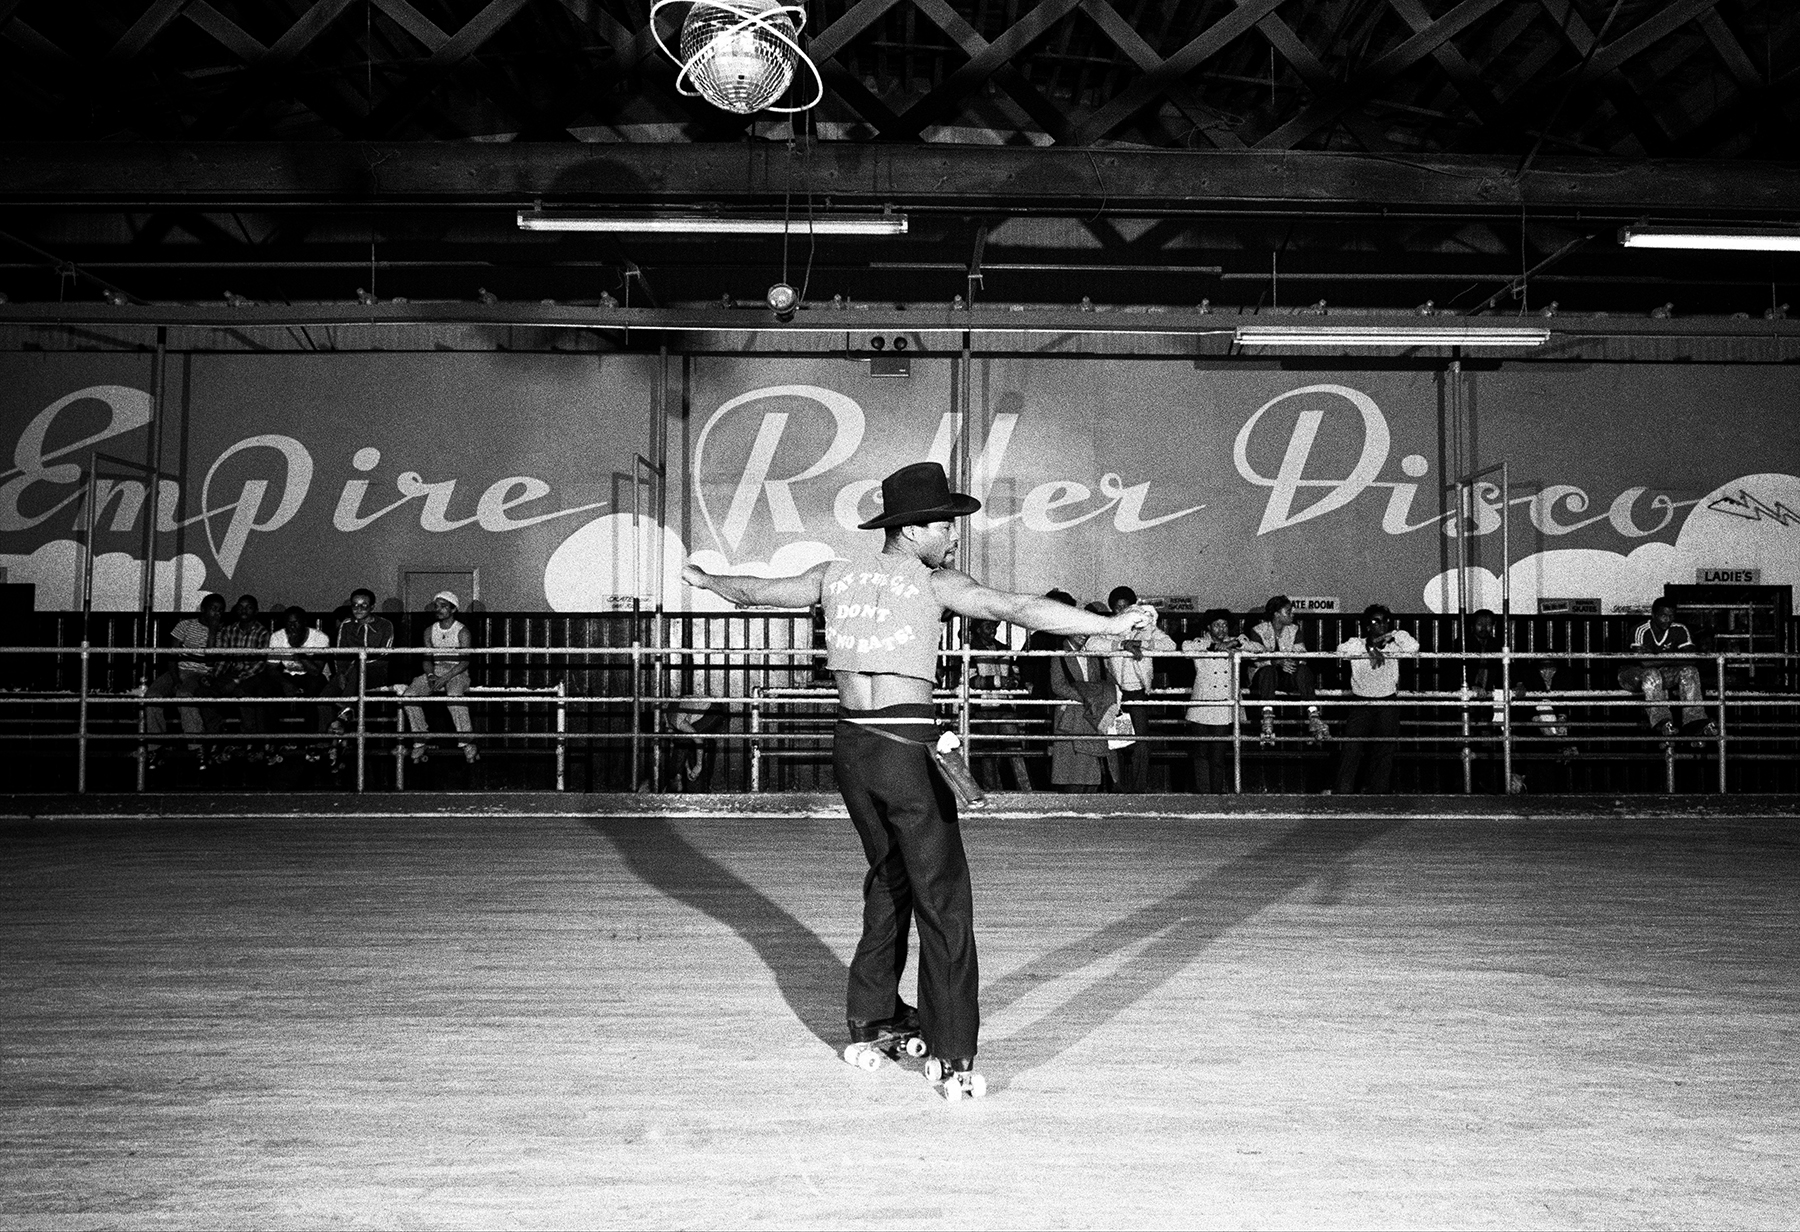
x,y
739,55
783,301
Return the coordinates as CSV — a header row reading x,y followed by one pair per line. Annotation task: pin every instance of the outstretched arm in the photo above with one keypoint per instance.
x,y
802,591
965,596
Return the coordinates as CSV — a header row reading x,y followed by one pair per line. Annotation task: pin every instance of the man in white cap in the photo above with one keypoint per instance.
x,y
446,674
882,616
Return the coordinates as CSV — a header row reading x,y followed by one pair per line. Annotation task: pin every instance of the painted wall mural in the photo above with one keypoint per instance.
x,y
299,476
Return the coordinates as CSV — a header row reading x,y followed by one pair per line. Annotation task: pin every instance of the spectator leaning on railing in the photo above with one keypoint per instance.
x,y
1279,631
1211,712
1374,723
1662,634
188,675
1134,673
1082,765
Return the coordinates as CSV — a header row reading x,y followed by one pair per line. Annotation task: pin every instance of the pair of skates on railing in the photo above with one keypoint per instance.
x,y
874,1043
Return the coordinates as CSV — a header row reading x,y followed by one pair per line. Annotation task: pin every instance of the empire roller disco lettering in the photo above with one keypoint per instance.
x,y
1481,512
45,481
755,485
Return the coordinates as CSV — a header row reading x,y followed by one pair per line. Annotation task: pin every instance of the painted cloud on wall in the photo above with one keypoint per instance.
x,y
598,568
55,569
1749,523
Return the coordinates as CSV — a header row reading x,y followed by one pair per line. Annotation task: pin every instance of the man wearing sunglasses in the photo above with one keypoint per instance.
x,y
361,630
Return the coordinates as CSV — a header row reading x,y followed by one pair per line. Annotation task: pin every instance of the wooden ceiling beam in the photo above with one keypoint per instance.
x,y
988,60
1463,76
943,178
1148,88
1384,69
398,107
1207,121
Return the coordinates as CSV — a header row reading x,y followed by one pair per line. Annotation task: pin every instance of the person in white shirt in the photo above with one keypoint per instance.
x,y
297,675
446,673
1210,716
1375,719
1131,668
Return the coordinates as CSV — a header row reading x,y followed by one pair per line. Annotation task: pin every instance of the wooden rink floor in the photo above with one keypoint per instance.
x,y
555,1022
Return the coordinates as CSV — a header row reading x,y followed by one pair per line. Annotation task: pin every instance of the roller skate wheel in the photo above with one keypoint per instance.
x,y
977,1086
934,1070
915,1047
862,1056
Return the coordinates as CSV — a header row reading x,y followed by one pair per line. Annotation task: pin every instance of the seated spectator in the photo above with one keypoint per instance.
x,y
1375,720
1211,714
1135,674
1541,719
187,678
1034,674
1279,631
362,629
1082,765
1662,634
693,721
991,673
234,675
1545,719
446,674
1483,673
1480,674
297,675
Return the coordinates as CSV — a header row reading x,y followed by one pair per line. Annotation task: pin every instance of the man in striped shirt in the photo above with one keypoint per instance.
x,y
235,675
1662,634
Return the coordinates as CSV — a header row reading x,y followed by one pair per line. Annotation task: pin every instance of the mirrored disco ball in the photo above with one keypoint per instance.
x,y
735,55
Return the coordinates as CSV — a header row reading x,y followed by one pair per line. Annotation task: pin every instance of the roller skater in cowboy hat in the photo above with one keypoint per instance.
x,y
882,614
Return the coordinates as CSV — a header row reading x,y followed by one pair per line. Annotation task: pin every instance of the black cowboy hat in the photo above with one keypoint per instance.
x,y
919,493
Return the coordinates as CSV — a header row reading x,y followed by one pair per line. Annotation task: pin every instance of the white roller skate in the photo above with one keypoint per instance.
x,y
957,1077
871,1043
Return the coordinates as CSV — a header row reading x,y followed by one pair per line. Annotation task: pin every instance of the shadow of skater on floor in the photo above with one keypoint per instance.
x,y
1172,932
810,975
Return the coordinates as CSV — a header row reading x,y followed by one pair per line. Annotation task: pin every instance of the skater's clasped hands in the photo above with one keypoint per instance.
x,y
1134,619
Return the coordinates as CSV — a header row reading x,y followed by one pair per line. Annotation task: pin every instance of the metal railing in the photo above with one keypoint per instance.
x,y
790,721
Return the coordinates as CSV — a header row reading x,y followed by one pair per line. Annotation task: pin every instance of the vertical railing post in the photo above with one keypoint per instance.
x,y
81,722
1506,748
1468,752
1237,726
962,705
1721,662
562,739
755,726
362,726
637,710
144,680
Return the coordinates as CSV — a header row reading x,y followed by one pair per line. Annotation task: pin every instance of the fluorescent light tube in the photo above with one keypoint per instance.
x,y
1392,336
1734,239
716,224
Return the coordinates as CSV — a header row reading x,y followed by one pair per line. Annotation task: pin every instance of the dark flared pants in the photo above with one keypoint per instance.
x,y
906,818
1369,741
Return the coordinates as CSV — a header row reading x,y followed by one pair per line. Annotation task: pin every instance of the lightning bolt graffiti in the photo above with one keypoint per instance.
x,y
1753,509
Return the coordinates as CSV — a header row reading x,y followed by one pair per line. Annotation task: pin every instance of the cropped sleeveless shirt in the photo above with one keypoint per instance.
x,y
881,617
439,638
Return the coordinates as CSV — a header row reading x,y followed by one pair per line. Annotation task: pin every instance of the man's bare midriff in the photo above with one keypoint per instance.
x,y
866,691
